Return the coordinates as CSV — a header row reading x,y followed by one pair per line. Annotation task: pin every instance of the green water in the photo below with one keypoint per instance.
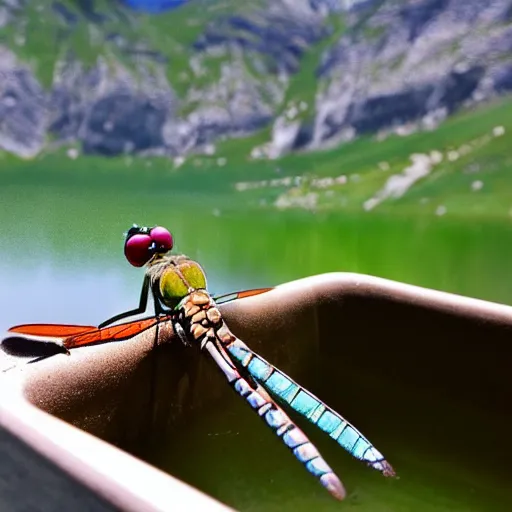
x,y
58,242
61,261
243,465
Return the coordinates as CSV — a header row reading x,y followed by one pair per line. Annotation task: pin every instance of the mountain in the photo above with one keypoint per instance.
x,y
303,74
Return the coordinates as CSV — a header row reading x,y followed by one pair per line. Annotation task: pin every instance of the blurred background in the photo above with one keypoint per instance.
x,y
276,139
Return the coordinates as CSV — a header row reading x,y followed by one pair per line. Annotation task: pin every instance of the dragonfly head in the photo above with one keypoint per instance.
x,y
142,244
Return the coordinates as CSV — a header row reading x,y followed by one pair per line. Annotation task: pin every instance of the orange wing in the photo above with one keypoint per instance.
x,y
79,335
113,333
249,293
51,330
228,297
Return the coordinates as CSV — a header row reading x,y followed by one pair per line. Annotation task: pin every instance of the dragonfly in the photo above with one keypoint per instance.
x,y
178,287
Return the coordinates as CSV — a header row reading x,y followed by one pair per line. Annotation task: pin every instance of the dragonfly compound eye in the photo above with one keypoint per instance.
x,y
136,249
162,238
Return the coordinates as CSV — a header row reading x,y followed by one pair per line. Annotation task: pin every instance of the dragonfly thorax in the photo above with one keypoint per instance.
x,y
175,277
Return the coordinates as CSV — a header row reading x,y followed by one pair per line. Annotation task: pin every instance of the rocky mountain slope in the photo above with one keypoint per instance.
x,y
304,74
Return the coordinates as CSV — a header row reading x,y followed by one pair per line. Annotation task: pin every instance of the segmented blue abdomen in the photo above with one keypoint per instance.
x,y
309,406
276,419
291,435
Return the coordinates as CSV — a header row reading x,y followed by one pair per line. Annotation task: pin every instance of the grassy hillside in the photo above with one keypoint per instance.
x,y
44,35
470,174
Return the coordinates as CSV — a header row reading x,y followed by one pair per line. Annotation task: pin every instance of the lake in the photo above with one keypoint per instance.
x,y
61,260
61,257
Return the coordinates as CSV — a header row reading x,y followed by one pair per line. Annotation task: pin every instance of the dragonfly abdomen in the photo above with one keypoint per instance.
x,y
205,325
199,316
291,435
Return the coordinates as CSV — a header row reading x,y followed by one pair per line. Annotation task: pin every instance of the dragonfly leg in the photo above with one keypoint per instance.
x,y
143,303
159,309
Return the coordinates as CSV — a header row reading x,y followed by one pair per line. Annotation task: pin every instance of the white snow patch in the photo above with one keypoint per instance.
x,y
453,155
440,210
72,153
477,185
179,161
436,157
307,201
398,184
